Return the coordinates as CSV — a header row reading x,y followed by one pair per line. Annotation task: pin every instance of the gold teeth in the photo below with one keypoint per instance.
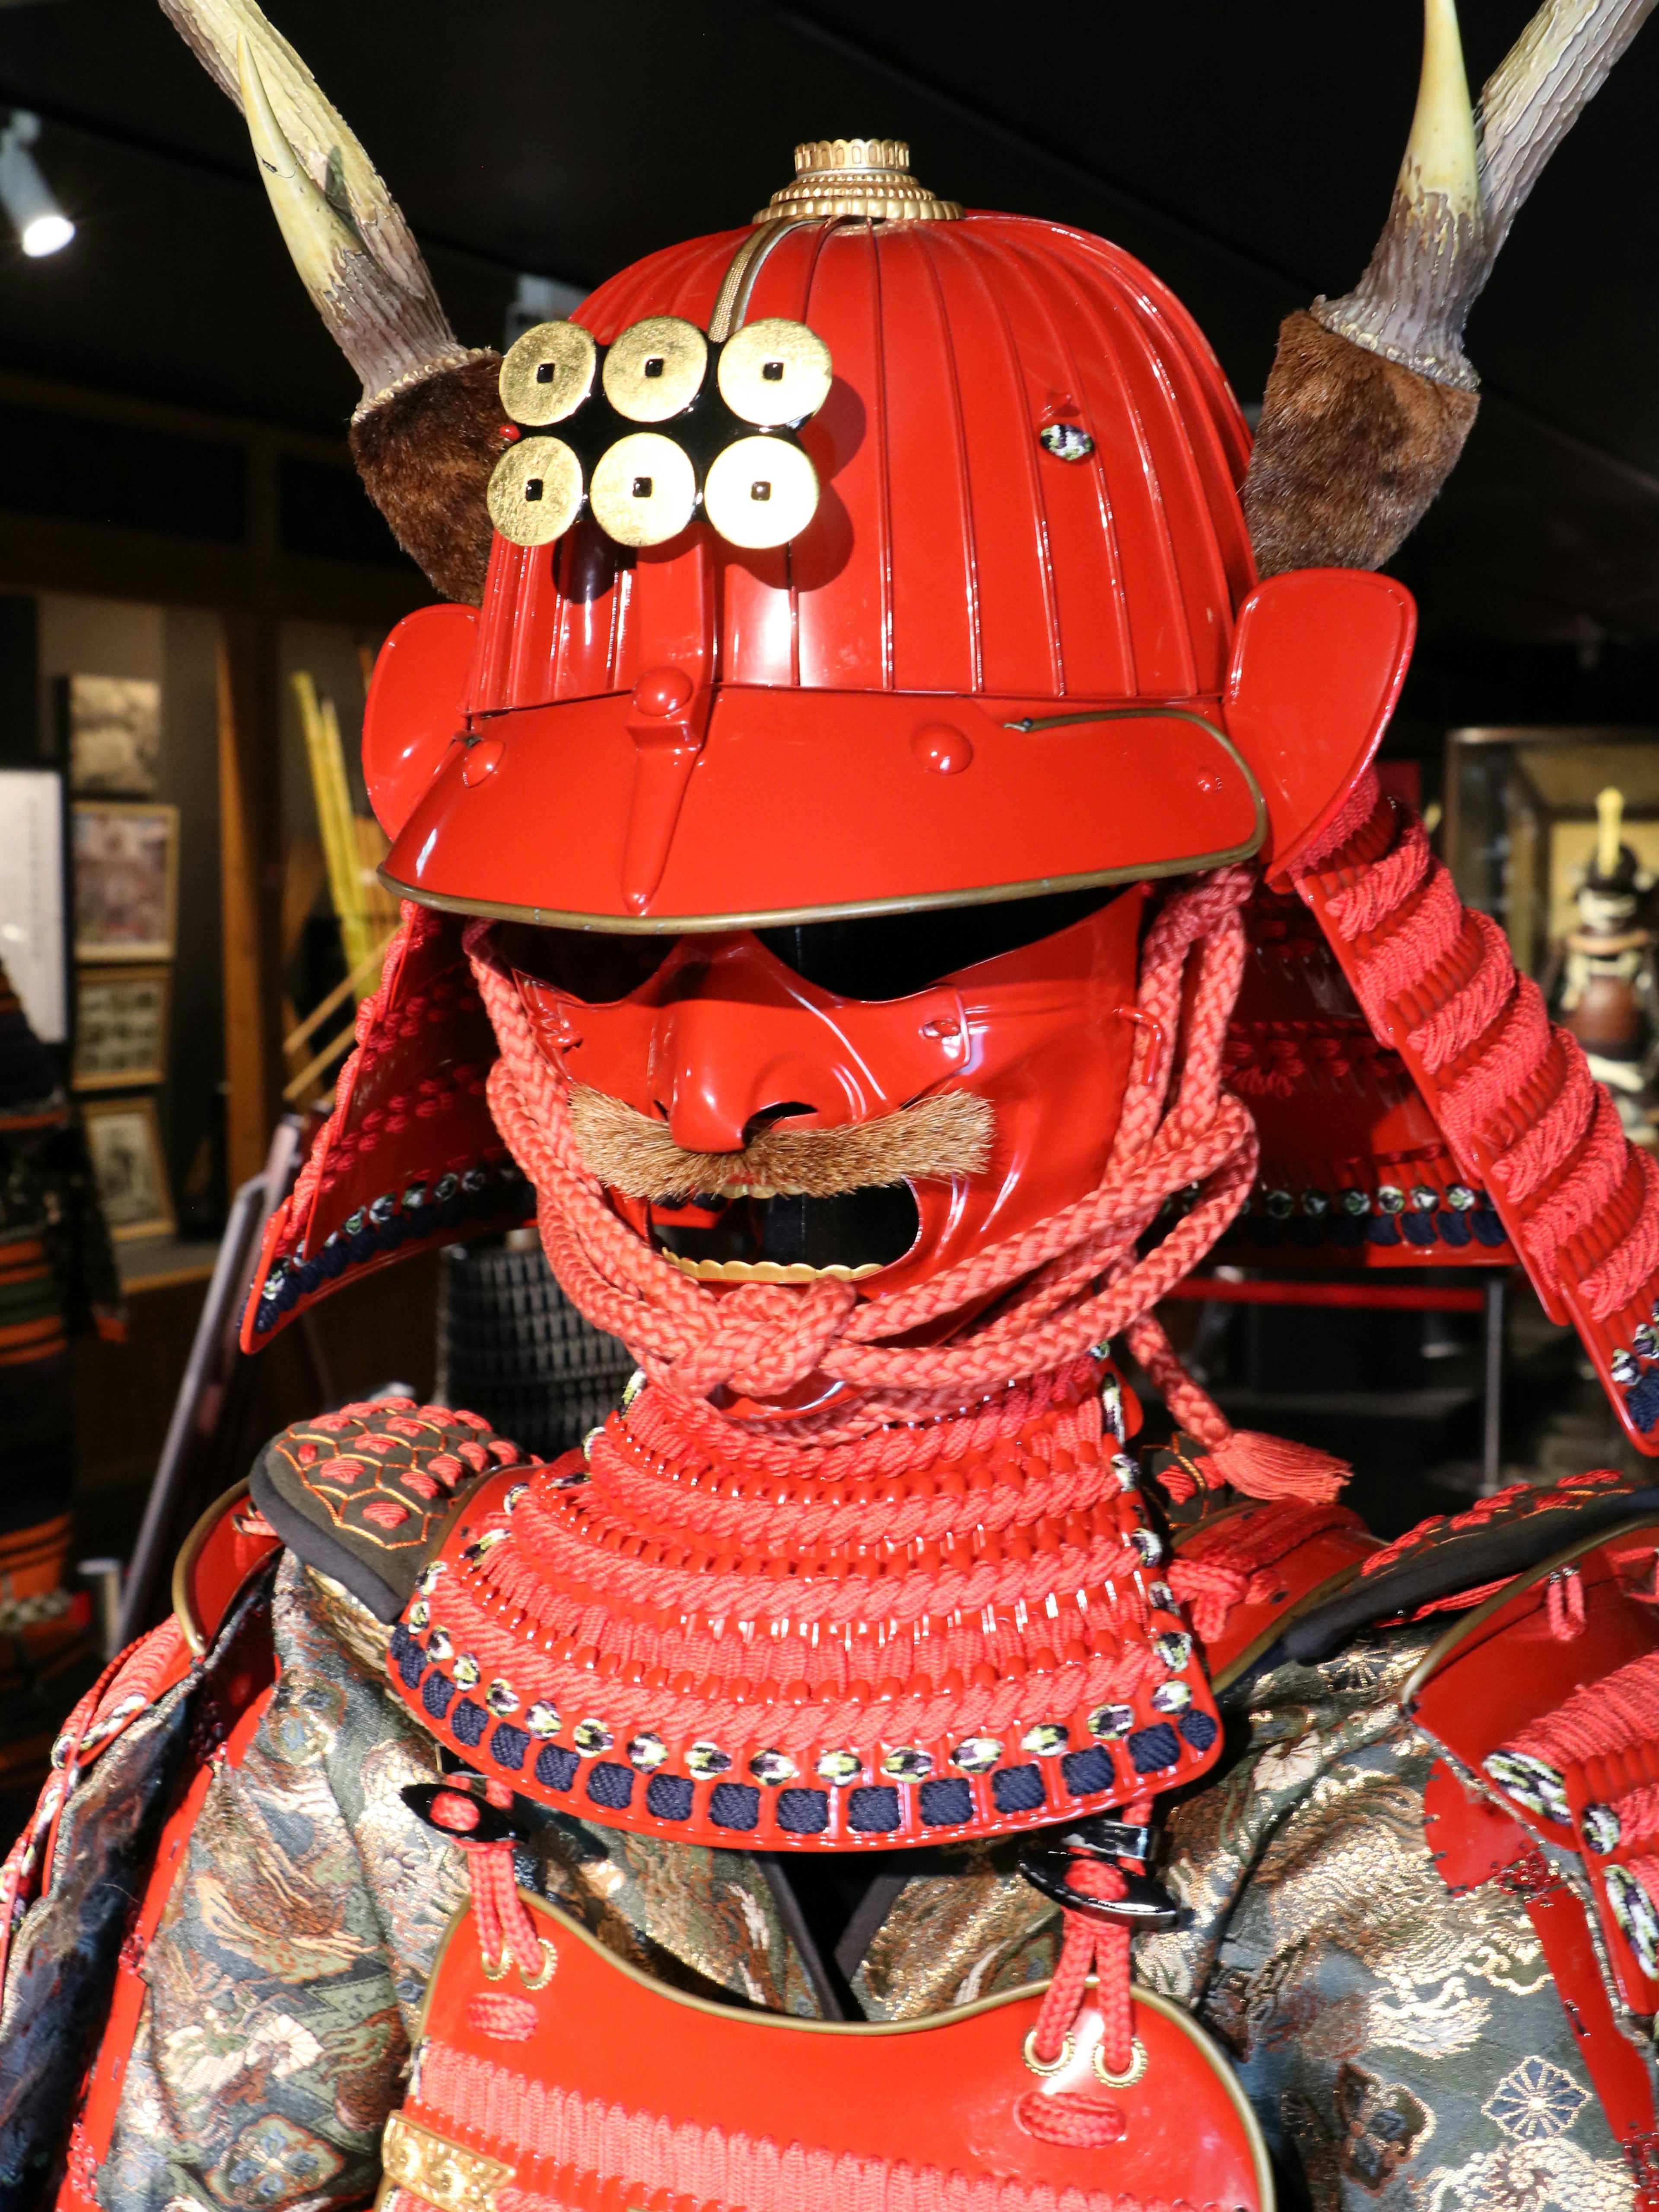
x,y
765,1271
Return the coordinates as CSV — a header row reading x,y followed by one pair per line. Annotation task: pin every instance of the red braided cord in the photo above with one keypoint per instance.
x,y
1074,2121
1603,1717
1240,1570
1638,1816
1072,1280
763,1338
505,1930
1088,1946
1444,979
1565,1605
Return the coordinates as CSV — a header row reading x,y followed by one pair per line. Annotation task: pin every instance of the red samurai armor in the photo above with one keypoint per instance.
x,y
891,849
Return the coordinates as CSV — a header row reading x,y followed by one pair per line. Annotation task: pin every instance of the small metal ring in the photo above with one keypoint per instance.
x,y
497,1971
551,1958
1137,2065
1053,2065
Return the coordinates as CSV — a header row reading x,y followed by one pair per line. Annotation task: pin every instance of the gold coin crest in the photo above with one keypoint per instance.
x,y
773,372
655,370
760,491
644,490
547,374
536,491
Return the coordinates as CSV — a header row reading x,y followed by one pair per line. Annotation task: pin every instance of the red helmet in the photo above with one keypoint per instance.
x,y
1013,656
1018,648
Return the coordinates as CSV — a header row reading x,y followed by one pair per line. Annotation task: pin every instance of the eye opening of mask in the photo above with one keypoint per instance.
x,y
870,958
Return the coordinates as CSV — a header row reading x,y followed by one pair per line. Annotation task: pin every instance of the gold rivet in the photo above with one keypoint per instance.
x,y
547,374
536,491
775,372
644,491
655,370
760,491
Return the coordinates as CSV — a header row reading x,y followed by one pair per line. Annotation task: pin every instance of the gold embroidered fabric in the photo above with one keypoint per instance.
x,y
1402,2048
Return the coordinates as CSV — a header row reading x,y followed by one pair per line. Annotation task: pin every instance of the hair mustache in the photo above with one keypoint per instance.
x,y
947,1135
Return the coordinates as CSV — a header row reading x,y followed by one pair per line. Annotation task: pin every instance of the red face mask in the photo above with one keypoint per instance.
x,y
715,1039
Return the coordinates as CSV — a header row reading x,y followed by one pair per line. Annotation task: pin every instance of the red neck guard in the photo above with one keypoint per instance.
x,y
766,1645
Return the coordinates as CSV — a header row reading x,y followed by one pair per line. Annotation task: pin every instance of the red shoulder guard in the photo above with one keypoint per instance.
x,y
1354,1171
1513,1093
1546,1702
367,1494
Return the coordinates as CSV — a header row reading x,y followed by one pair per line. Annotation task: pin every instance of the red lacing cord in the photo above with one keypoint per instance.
x,y
505,1930
1600,1718
1073,1280
1100,1947
1564,1601
1236,1568
1442,978
1272,1059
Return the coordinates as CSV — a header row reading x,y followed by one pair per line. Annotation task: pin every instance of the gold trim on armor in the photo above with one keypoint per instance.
x,y
194,1631
1471,1623
786,2023
447,2175
868,177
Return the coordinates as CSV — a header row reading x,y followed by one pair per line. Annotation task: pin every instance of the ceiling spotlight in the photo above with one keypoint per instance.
x,y
42,227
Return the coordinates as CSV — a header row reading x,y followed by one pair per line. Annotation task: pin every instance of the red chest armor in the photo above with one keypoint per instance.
x,y
587,2087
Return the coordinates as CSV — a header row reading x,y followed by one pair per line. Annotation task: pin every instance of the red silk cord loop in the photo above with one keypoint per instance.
x,y
1102,1948
505,1930
1071,1281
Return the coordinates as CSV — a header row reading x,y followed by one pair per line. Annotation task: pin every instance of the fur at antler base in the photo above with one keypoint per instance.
x,y
425,450
1352,452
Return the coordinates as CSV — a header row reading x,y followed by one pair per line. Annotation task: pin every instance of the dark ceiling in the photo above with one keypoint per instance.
x,y
1244,149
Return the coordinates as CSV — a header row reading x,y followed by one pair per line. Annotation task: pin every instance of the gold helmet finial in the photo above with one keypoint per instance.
x,y
857,176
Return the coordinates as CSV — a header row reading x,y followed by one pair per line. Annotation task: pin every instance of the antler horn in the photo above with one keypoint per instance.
x,y
1371,397
427,430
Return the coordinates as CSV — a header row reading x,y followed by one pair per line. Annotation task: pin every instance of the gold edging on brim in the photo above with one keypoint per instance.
x,y
544,917
786,2023
767,1271
190,1551
619,925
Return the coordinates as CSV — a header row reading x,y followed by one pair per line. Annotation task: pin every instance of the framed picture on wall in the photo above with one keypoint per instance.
x,y
114,735
124,1140
120,1027
127,880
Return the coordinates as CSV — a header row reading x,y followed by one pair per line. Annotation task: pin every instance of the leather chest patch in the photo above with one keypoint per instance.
x,y
366,1494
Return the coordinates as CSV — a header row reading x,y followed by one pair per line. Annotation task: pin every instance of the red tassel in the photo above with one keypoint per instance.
x,y
1259,1466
